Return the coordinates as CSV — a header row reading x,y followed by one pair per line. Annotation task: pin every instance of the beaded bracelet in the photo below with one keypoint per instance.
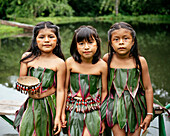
x,y
150,114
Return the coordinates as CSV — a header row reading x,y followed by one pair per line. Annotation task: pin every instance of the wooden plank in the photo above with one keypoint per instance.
x,y
21,25
9,107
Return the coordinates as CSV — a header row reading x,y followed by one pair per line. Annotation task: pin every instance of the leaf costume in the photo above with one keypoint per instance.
x,y
126,103
36,116
85,110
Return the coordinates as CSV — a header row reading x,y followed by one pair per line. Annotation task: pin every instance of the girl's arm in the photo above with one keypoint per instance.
x,y
66,90
60,95
104,88
148,93
104,81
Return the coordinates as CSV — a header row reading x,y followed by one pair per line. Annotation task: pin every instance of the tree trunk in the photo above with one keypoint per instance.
x,y
116,7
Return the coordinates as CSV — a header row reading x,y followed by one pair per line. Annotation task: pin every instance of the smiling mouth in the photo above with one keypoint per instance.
x,y
86,52
121,48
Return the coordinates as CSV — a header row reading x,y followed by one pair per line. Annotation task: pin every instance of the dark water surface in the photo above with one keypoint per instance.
x,y
153,41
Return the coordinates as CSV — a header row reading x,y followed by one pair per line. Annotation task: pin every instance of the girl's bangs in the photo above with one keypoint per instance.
x,y
85,34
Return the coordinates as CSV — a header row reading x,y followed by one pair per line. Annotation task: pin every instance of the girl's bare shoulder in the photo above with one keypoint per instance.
x,y
105,57
102,64
143,61
70,60
55,60
25,54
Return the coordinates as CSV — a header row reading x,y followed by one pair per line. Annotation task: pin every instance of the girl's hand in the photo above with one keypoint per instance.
x,y
103,127
57,126
63,119
145,124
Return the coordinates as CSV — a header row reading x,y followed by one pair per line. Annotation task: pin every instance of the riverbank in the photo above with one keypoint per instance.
x,y
7,31
150,19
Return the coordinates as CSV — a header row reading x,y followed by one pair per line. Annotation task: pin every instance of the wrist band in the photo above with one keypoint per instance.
x,y
150,114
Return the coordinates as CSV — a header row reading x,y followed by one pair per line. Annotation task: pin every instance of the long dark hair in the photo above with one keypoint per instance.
x,y
35,51
134,49
85,33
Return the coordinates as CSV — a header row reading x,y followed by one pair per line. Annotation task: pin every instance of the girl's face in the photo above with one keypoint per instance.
x,y
87,49
122,41
46,40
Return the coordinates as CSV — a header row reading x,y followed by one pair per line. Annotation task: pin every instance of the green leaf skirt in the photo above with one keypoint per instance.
x,y
126,110
36,116
77,119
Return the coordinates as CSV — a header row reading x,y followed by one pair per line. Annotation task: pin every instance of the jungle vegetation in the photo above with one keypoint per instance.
x,y
90,8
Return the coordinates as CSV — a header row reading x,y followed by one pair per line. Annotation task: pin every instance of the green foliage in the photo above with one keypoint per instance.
x,y
4,4
92,8
7,31
34,8
62,8
56,20
108,5
142,7
85,7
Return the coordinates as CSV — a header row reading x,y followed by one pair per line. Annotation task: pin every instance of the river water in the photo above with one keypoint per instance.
x,y
153,41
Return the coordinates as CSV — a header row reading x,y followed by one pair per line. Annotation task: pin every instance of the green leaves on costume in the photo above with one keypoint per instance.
x,y
19,115
27,125
92,121
103,108
114,116
112,73
76,123
130,112
120,81
122,78
87,84
142,106
39,117
137,111
84,85
133,81
74,84
121,112
128,104
95,83
76,120
47,79
112,111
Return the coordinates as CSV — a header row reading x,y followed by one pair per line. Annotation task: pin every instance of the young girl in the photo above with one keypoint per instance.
x,y
130,103
86,81
40,114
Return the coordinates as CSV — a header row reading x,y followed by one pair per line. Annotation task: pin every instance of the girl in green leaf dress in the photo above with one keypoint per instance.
x,y
86,84
40,115
130,102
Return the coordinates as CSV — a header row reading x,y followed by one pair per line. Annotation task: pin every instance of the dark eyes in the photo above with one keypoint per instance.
x,y
82,43
117,39
51,36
